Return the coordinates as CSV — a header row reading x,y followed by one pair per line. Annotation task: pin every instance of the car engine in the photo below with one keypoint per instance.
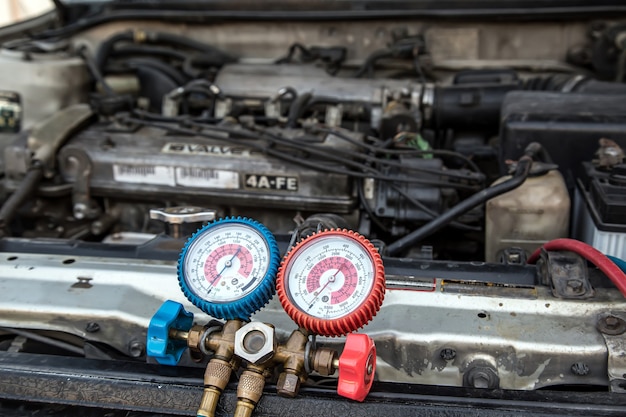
x,y
435,195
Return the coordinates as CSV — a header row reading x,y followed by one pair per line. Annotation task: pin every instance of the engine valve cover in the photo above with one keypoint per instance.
x,y
151,165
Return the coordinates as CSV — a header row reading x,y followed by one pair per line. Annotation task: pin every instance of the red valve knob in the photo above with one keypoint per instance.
x,y
357,365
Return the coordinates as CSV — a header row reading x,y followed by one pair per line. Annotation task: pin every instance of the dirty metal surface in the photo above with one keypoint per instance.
x,y
72,384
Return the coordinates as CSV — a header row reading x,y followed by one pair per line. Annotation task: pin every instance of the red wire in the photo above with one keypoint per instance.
x,y
589,253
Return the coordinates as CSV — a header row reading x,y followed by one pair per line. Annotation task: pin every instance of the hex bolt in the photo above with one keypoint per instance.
x,y
480,380
92,327
481,377
580,369
514,258
447,354
288,385
254,341
136,348
611,325
80,210
611,322
575,285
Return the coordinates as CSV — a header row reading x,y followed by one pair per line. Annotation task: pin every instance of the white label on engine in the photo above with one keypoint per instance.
x,y
207,178
144,174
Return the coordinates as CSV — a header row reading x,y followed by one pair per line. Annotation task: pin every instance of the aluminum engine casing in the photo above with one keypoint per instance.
x,y
252,85
147,164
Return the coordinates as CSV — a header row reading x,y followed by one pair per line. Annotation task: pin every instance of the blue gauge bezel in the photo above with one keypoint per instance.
x,y
244,307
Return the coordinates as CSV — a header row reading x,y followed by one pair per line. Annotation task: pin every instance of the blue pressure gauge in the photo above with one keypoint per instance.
x,y
228,268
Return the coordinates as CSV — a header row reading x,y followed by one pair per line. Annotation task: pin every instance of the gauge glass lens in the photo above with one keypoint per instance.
x,y
330,277
226,263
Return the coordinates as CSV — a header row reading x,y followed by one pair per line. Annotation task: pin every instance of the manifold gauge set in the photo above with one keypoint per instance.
x,y
330,283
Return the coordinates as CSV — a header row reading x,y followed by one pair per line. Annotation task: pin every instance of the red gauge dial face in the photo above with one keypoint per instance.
x,y
329,276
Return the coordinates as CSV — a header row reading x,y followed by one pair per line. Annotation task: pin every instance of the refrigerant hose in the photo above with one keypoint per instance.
x,y
609,268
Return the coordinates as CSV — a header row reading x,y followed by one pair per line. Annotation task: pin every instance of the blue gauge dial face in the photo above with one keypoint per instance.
x,y
226,262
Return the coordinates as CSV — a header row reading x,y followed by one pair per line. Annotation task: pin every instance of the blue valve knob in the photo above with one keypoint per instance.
x,y
171,315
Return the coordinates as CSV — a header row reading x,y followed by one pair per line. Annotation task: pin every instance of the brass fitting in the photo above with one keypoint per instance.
x,y
292,355
194,338
223,343
139,36
220,367
208,403
296,357
288,384
217,373
325,361
249,390
216,378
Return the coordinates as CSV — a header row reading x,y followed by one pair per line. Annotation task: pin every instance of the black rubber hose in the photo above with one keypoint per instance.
x,y
107,46
154,51
521,173
27,187
177,40
195,64
538,152
166,69
94,69
304,51
316,100
371,60
297,109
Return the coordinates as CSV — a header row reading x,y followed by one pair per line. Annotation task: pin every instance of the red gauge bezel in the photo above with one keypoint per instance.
x,y
350,322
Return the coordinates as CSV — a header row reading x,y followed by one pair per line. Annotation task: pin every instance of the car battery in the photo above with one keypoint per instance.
x,y
600,209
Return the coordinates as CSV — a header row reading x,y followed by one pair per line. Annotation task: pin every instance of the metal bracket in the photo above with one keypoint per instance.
x,y
80,165
612,327
567,274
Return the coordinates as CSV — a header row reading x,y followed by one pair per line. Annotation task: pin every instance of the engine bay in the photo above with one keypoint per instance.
x,y
477,162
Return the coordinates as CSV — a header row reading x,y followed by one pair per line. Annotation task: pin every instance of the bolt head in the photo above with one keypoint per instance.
x,y
611,325
480,380
611,322
580,369
288,385
514,258
80,210
255,342
136,349
92,327
481,377
447,354
575,285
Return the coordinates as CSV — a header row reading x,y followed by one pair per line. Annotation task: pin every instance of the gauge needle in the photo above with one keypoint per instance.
x,y
330,279
228,264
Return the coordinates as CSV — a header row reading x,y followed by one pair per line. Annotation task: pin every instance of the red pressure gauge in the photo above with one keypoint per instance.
x,y
332,283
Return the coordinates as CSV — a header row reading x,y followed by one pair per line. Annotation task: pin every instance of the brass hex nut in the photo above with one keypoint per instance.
x,y
323,361
255,342
288,385
195,338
